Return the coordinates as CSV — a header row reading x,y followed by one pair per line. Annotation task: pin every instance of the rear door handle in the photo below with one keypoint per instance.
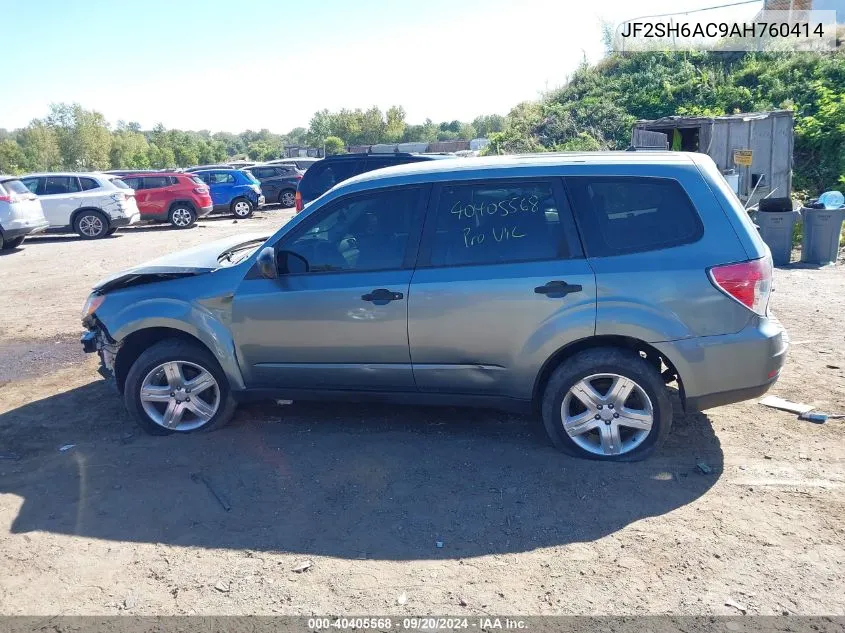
x,y
382,294
557,287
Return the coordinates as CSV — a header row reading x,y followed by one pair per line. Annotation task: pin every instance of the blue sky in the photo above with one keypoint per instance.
x,y
271,63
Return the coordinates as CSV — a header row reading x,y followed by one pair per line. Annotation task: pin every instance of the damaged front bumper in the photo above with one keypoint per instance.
x,y
97,340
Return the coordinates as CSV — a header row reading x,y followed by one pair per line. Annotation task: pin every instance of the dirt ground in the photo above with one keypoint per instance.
x,y
399,511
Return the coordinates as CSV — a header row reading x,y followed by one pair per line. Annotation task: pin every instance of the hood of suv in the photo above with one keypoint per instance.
x,y
198,260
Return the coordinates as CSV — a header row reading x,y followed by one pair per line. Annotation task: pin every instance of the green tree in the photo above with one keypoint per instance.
x,y
83,136
40,146
394,128
12,159
334,145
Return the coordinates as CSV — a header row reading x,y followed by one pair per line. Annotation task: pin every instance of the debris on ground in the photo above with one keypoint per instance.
x,y
462,602
222,587
66,447
199,477
703,467
11,456
439,544
785,405
820,418
129,602
402,599
303,566
737,606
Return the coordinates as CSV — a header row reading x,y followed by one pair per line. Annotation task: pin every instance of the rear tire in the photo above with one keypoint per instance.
x,y
8,245
91,225
242,208
584,418
287,198
212,407
182,216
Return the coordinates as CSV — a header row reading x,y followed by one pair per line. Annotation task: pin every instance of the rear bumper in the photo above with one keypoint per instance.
x,y
17,229
719,370
125,220
204,211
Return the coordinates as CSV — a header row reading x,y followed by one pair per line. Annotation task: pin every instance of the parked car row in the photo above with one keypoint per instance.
x,y
95,205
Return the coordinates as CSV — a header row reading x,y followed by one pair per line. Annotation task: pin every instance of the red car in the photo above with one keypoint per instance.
x,y
170,197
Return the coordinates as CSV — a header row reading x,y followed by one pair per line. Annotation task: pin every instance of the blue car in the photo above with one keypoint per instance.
x,y
232,191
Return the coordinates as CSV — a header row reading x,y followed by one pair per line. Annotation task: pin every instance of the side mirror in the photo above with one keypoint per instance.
x,y
291,263
266,263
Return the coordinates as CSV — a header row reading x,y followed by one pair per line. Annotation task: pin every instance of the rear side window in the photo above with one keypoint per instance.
x,y
156,182
54,185
31,184
619,215
220,177
88,184
496,223
325,175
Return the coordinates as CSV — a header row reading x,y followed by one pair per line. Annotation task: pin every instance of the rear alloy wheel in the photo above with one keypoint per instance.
x,y
287,198
182,217
8,245
607,404
177,387
241,208
91,225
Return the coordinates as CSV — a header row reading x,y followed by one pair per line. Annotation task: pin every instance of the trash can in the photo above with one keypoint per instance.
x,y
822,228
776,231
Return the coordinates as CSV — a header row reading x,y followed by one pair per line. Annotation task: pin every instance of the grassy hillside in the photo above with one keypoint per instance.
x,y
598,106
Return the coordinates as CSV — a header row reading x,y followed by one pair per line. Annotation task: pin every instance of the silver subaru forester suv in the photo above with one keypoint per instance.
x,y
576,286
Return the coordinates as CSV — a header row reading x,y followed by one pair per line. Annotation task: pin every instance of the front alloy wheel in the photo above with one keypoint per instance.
x,y
287,199
176,386
180,396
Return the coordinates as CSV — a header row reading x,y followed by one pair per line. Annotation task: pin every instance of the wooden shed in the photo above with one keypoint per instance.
x,y
756,146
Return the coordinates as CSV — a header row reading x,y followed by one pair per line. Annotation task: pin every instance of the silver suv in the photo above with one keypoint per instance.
x,y
576,286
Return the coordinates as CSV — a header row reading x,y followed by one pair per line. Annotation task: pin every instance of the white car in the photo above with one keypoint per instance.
x,y
92,204
20,213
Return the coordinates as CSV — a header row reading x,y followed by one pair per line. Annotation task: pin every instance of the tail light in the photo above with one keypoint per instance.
x,y
298,201
202,191
298,177
749,282
6,199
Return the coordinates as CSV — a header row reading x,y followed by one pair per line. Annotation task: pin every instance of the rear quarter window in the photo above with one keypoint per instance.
x,y
14,186
621,215
89,183
325,175
117,182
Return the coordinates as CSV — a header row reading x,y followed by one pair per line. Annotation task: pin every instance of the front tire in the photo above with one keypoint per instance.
x,y
607,404
8,245
287,198
182,217
178,387
91,225
242,208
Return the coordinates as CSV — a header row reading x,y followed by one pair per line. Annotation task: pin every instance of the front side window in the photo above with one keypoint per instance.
x,y
54,185
495,223
365,232
619,215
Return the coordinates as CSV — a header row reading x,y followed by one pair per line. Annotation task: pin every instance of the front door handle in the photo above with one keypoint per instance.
x,y
557,287
382,294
